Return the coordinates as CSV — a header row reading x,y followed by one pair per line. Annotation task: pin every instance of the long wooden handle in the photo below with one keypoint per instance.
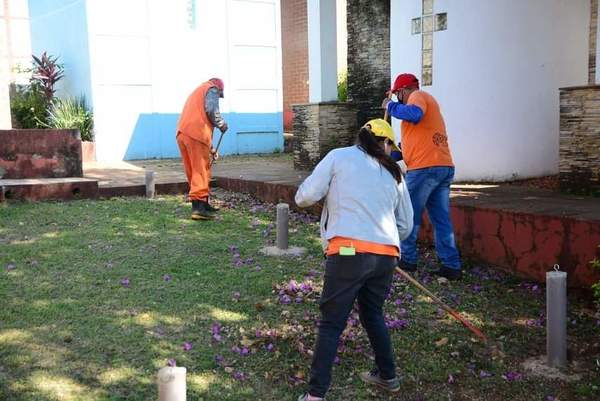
x,y
441,303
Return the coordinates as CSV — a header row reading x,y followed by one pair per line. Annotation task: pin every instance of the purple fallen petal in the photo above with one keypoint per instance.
x,y
125,282
450,379
512,376
187,346
239,376
336,360
171,363
484,374
219,359
217,337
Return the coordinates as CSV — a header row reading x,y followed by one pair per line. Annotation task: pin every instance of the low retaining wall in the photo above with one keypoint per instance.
x,y
40,154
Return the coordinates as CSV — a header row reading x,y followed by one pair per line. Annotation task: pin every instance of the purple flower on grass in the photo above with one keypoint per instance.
x,y
219,359
236,296
285,299
239,376
512,376
236,349
483,374
451,379
245,352
270,347
298,300
336,360
215,331
11,266
550,398
166,277
125,282
187,346
171,363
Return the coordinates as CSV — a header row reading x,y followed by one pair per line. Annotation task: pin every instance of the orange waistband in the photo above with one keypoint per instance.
x,y
335,243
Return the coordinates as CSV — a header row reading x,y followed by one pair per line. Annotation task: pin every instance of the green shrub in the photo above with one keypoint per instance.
x,y
342,87
596,287
28,106
72,113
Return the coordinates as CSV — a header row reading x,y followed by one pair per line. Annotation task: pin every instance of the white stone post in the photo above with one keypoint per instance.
x,y
172,384
556,312
283,210
150,184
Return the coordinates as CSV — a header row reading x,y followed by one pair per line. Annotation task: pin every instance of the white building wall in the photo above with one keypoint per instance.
x,y
496,74
146,60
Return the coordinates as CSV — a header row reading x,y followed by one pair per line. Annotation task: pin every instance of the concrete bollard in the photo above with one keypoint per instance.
x,y
556,312
283,216
172,384
150,184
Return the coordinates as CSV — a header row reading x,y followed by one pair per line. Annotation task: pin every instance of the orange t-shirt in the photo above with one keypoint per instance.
x,y
334,245
194,121
425,144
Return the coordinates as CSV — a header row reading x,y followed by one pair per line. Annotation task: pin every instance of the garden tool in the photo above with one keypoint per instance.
x,y
492,347
217,148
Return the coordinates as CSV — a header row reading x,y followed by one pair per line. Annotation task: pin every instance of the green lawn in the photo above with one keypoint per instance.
x,y
98,295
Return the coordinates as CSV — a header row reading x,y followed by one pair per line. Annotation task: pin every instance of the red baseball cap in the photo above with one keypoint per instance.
x,y
405,81
219,84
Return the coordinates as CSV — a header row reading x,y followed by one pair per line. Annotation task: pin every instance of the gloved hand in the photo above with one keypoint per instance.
x,y
214,153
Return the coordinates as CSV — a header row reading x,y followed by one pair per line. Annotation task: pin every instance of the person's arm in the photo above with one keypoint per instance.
x,y
407,112
211,106
315,187
404,212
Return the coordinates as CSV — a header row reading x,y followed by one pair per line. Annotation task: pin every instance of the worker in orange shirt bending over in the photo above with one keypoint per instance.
x,y
195,127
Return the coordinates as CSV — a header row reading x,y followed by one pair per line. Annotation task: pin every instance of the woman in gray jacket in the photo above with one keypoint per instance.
x,y
367,211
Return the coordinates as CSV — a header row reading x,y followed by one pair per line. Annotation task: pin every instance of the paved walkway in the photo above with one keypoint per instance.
x,y
278,169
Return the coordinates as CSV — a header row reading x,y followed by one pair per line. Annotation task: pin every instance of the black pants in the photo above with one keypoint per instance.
x,y
367,277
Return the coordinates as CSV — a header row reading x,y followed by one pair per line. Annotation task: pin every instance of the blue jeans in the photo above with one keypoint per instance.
x,y
366,278
429,189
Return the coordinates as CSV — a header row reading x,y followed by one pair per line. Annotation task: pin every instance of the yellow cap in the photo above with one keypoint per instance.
x,y
380,127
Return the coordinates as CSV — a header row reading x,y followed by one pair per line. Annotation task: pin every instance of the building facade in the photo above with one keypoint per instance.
x,y
136,61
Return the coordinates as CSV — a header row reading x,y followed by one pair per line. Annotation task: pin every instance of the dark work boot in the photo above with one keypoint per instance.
x,y
450,274
199,211
407,267
211,209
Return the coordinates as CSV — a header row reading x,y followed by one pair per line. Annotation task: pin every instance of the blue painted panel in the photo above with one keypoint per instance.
x,y
154,135
60,28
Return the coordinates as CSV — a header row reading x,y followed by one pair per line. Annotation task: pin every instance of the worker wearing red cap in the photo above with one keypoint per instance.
x,y
195,127
430,171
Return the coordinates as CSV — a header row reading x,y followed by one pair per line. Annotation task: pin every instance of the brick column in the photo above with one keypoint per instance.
x,y
368,55
294,48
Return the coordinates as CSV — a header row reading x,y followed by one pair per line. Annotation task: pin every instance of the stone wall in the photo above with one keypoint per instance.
x,y
320,127
368,23
580,140
593,40
40,154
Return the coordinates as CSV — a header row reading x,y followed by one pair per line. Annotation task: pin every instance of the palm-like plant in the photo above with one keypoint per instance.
x,y
47,72
72,113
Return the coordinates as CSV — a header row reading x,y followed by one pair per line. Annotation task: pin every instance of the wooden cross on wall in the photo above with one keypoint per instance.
x,y
425,25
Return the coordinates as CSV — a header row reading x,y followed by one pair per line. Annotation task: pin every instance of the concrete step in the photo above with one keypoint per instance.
x,y
35,189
